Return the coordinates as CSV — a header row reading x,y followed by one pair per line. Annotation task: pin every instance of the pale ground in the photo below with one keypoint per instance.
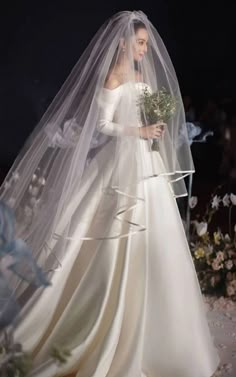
x,y
221,314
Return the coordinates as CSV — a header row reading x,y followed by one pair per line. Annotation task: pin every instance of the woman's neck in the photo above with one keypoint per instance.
x,y
123,69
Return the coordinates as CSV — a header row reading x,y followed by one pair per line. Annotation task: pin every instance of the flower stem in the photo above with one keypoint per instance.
x,y
230,220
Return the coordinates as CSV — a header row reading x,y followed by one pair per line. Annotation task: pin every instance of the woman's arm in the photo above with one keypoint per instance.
x,y
108,101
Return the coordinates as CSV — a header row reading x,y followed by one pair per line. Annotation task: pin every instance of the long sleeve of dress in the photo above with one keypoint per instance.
x,y
108,103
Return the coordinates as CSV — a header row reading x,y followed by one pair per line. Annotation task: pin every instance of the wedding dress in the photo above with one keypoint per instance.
x,y
124,306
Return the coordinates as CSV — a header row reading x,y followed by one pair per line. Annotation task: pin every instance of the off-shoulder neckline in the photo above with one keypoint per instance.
x,y
121,85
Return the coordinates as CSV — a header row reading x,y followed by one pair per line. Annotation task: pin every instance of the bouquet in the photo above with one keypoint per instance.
x,y
154,107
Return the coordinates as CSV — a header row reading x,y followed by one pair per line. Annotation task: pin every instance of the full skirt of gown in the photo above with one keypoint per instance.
x,y
127,307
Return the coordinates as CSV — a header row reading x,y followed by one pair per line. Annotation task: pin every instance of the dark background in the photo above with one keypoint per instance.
x,y
42,41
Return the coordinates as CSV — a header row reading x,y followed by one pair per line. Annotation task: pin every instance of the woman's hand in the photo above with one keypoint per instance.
x,y
154,131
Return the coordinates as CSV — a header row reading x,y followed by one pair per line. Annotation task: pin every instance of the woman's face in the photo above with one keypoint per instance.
x,y
140,44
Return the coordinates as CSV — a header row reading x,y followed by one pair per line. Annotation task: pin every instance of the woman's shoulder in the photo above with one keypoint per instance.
x,y
112,82
111,92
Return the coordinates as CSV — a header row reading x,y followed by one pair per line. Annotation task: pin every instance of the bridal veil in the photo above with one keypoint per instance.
x,y
52,166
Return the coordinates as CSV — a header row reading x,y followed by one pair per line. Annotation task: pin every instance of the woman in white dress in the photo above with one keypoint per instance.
x,y
97,205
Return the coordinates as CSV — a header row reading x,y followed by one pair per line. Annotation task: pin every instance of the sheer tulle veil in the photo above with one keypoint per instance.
x,y
68,149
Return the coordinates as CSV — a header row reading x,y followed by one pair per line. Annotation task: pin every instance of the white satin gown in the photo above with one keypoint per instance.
x,y
134,307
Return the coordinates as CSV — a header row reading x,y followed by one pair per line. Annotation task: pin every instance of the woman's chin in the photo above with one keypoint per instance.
x,y
139,59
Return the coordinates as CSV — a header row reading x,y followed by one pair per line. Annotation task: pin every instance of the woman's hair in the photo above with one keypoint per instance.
x,y
138,25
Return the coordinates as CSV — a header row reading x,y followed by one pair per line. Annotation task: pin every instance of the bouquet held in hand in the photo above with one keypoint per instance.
x,y
156,107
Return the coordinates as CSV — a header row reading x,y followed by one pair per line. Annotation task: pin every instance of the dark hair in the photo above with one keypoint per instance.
x,y
138,25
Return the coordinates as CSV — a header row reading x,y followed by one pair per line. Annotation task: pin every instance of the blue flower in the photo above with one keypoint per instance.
x,y
21,263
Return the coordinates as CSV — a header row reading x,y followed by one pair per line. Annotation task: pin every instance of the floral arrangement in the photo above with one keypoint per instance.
x,y
16,258
157,106
14,362
214,251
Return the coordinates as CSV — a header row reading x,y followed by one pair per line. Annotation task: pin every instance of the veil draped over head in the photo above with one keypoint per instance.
x,y
83,145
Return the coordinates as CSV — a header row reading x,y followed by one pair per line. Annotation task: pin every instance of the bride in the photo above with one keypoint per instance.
x,y
97,205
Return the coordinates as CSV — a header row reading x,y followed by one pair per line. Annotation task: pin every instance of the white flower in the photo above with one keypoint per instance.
x,y
37,203
233,199
220,256
11,201
33,190
230,290
227,237
222,303
42,181
216,202
7,185
28,211
15,176
34,202
201,228
34,177
229,264
209,249
228,368
193,201
216,266
226,200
